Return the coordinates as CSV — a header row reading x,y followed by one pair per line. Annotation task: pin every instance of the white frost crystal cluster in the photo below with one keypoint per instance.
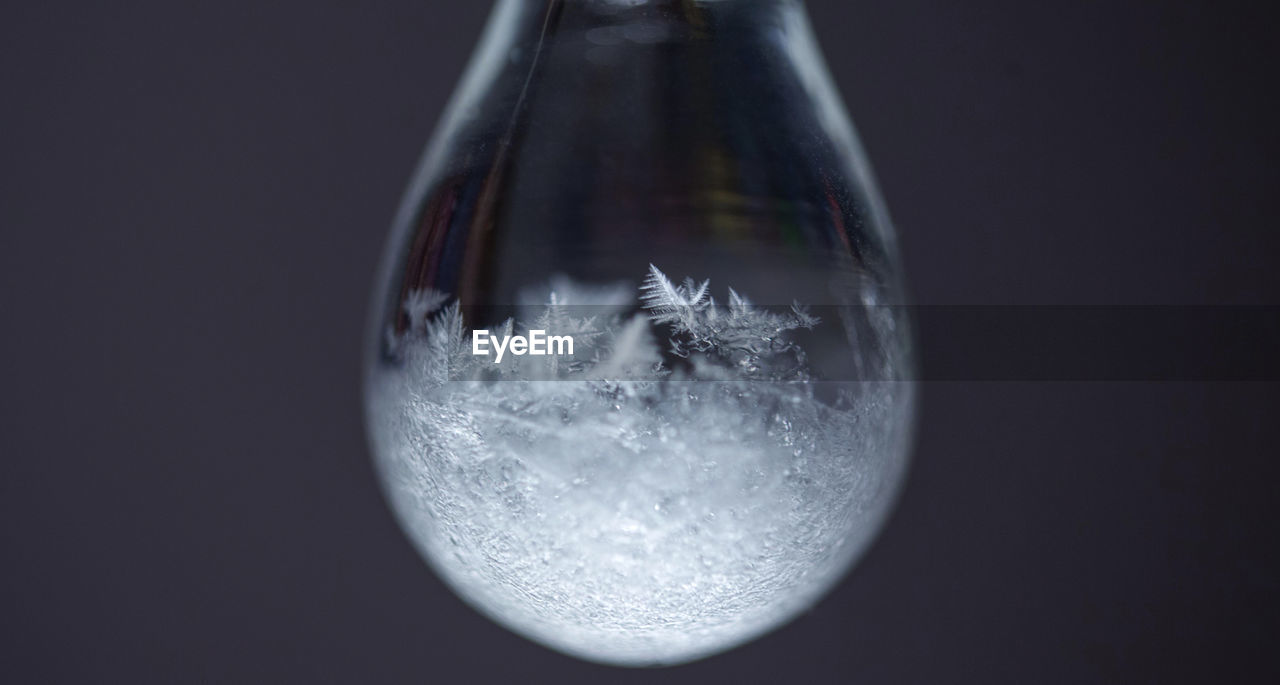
x,y
620,510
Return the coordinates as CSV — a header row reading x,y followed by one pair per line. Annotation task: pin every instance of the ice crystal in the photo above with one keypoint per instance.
x,y
734,341
671,489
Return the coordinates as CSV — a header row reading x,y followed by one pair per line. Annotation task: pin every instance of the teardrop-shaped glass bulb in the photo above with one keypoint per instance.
x,y
636,384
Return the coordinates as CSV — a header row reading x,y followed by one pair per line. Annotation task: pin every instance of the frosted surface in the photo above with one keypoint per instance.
x,y
617,510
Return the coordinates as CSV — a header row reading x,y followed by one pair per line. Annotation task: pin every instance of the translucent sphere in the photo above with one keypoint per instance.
x,y
637,383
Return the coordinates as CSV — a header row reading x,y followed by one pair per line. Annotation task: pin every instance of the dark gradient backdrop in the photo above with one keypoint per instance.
x,y
192,201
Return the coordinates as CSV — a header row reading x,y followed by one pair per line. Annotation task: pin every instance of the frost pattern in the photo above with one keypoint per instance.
x,y
621,510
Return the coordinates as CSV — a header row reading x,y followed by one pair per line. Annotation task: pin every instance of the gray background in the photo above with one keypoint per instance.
x,y
194,197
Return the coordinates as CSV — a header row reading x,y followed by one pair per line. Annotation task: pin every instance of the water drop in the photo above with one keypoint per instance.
x,y
724,423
